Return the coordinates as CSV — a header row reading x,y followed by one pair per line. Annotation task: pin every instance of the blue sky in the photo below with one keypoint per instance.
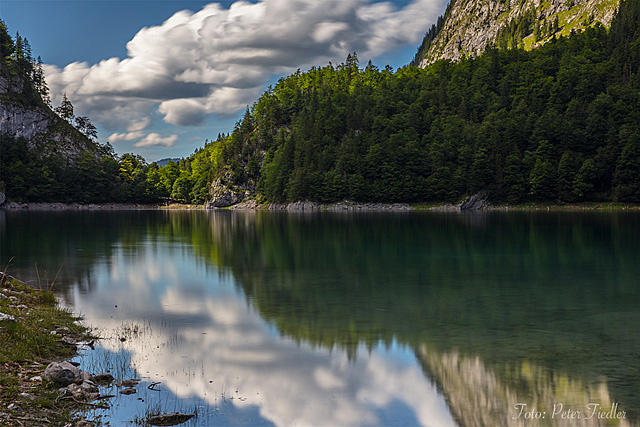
x,y
158,77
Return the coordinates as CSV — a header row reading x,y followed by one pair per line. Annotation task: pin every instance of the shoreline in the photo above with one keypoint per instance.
x,y
535,207
343,206
59,206
37,333
350,206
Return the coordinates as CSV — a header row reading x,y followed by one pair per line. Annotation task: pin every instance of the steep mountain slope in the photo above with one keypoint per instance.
x,y
469,26
45,155
24,112
53,155
559,122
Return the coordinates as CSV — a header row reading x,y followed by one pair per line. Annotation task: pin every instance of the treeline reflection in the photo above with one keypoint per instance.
x,y
552,294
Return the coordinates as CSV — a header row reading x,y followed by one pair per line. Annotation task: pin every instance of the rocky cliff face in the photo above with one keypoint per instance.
x,y
18,120
471,25
35,122
224,192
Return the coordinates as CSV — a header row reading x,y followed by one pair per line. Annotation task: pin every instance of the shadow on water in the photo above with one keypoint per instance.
x,y
496,308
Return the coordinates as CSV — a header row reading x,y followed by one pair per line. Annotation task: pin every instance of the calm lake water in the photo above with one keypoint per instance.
x,y
434,319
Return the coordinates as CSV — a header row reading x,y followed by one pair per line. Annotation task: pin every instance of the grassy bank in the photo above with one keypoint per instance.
x,y
34,331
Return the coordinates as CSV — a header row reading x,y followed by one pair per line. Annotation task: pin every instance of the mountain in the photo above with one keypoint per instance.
x,y
556,123
24,105
469,26
29,118
163,162
51,155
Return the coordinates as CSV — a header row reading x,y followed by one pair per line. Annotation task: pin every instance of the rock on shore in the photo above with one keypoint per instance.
x,y
306,206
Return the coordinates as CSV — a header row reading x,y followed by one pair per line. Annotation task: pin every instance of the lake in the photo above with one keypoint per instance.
x,y
413,318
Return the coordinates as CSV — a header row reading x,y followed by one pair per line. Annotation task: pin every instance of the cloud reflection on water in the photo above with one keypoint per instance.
x,y
489,328
200,338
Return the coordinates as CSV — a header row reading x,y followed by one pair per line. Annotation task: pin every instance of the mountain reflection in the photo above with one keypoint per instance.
x,y
203,340
555,293
362,319
479,395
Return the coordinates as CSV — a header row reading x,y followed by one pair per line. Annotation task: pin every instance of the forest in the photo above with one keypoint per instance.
x,y
558,123
35,172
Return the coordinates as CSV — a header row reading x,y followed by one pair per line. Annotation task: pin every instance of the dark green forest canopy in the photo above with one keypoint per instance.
x,y
558,123
39,169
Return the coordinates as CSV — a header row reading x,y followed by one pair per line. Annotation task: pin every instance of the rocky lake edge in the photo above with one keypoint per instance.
x,y
467,204
35,335
40,384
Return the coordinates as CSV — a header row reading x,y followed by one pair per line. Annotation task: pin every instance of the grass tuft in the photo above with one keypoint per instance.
x,y
27,345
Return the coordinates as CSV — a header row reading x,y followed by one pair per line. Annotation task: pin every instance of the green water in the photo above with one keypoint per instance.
x,y
404,318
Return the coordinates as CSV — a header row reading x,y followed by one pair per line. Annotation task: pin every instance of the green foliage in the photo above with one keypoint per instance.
x,y
186,181
16,60
583,183
542,179
556,123
28,176
181,188
627,175
430,36
37,171
511,35
65,110
550,124
568,168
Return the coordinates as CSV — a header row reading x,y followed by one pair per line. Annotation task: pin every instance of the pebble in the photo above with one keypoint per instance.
x,y
8,317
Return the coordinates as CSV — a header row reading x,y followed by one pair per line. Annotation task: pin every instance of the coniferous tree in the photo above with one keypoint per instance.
x,y
65,110
84,125
39,82
7,47
22,55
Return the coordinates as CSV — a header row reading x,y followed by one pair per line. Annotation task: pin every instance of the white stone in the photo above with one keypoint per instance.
x,y
8,317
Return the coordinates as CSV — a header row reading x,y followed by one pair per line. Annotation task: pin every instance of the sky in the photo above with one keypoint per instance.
x,y
159,77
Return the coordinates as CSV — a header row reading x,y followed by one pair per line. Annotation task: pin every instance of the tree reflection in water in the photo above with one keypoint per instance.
x,y
496,309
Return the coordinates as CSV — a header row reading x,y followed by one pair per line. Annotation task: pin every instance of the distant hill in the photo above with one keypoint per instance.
x,y
469,26
163,162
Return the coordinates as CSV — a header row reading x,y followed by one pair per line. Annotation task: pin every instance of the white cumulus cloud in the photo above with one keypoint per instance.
x,y
115,137
217,60
154,139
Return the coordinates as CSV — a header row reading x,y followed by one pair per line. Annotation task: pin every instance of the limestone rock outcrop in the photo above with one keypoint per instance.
x,y
471,25
34,121
225,193
18,120
478,201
